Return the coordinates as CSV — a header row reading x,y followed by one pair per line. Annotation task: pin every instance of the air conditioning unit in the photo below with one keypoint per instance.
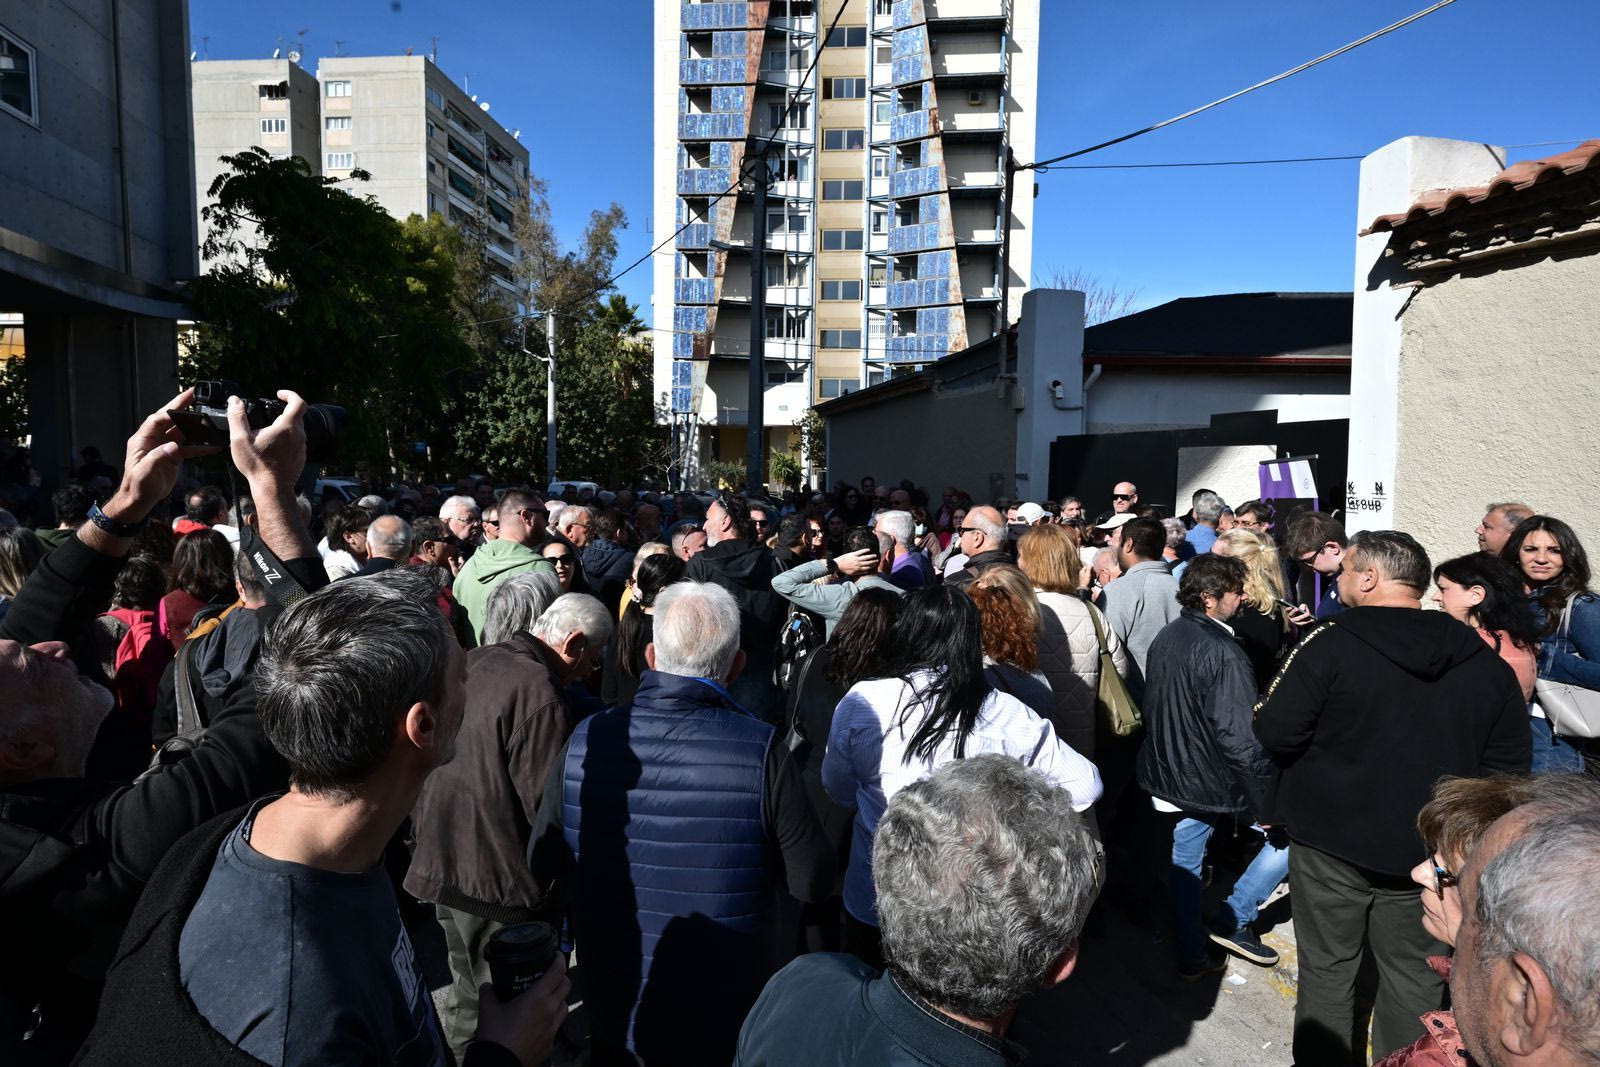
x,y
975,97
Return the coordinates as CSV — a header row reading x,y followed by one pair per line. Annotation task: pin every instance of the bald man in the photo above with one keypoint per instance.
x,y
983,539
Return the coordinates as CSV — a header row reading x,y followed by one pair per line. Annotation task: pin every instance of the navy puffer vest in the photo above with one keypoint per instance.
x,y
663,807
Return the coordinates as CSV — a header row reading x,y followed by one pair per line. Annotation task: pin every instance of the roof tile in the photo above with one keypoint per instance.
x,y
1513,179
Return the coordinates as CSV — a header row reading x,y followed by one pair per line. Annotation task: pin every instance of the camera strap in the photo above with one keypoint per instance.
x,y
280,586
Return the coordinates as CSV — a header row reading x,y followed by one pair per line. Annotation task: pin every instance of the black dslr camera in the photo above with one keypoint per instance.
x,y
206,422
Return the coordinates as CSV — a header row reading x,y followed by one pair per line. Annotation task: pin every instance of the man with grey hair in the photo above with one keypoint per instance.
x,y
910,569
982,538
1499,522
362,688
677,821
388,545
474,817
1206,511
1526,975
1383,677
462,515
517,604
985,875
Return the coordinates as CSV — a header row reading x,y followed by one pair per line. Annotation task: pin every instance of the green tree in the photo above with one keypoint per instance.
x,y
318,290
13,399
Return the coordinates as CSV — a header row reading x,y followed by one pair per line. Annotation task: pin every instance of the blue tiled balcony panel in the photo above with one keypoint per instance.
x,y
726,16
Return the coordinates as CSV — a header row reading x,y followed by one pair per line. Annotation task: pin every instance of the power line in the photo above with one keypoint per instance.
x,y
1234,96
1253,162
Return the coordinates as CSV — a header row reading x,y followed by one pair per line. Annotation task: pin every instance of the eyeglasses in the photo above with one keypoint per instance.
x,y
1121,496
964,530
1442,879
760,522
563,560
491,522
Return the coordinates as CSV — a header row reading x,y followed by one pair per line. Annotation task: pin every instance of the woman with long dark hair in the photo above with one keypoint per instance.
x,y
1484,592
625,659
852,654
202,577
1555,573
928,704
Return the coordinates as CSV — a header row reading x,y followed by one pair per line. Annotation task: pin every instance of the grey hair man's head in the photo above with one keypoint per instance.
x,y
389,537
1207,506
516,603
898,525
984,876
696,631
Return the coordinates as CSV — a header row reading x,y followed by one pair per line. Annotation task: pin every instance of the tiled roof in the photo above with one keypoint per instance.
x,y
1513,179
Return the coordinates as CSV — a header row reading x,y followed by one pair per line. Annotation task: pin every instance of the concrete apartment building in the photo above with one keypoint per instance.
x,y
241,103
430,148
886,212
97,217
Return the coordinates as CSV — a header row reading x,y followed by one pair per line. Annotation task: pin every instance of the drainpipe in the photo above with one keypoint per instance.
x,y
122,145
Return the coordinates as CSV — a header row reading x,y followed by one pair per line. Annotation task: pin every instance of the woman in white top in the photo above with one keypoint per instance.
x,y
931,706
1069,649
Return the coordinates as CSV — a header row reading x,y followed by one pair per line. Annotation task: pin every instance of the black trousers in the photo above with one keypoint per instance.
x,y
1340,911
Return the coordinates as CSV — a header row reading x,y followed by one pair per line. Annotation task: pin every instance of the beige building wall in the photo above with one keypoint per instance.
x,y
1498,400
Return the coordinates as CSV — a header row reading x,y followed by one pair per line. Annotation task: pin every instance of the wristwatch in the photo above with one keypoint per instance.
x,y
112,526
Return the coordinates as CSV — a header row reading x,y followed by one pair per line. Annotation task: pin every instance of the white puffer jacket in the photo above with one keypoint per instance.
x,y
1069,658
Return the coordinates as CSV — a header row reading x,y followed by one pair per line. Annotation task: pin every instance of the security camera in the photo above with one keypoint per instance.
x,y
1058,390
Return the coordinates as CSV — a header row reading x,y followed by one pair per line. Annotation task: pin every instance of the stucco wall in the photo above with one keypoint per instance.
x,y
965,438
1149,399
1498,401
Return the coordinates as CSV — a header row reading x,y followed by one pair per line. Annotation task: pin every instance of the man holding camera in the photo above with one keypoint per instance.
x,y
272,933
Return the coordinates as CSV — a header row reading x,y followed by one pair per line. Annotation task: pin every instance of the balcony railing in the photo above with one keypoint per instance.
x,y
712,126
692,290
703,181
695,235
914,238
917,347
912,125
908,69
921,293
722,70
903,13
720,16
918,181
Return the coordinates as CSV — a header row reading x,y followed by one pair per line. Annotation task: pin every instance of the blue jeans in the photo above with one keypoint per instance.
x,y
1189,839
1552,753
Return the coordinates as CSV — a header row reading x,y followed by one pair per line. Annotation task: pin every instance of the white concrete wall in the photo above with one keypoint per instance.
x,y
1129,399
1391,180
1497,400
664,155
1022,116
1049,337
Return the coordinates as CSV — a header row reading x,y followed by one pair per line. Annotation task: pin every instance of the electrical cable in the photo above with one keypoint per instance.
x,y
1255,162
1234,96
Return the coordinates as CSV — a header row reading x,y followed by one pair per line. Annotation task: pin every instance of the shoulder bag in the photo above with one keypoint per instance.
x,y
1573,710
1113,704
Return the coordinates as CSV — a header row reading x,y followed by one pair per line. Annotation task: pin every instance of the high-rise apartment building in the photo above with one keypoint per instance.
x,y
429,146
242,103
886,211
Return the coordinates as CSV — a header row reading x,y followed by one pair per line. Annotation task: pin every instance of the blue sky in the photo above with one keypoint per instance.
x,y
576,79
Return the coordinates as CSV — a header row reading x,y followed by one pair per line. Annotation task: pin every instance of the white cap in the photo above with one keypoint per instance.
x,y
1030,513
1117,520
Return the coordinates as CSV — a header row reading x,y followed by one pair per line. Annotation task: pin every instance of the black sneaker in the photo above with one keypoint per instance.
x,y
1214,963
1243,942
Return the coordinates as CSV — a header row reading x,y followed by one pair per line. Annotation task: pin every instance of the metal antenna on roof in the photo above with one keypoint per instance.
x,y
433,51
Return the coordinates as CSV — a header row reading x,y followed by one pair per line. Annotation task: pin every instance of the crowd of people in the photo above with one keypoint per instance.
x,y
832,777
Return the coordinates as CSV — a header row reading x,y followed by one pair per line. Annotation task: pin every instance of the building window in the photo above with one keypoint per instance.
x,y
787,117
844,89
877,274
883,54
793,166
841,338
841,190
841,240
338,122
843,140
828,388
339,161
790,325
785,375
433,201
880,166
274,91
842,289
435,97
882,111
18,87
786,271
847,37
787,59
338,89
790,220
274,125
880,220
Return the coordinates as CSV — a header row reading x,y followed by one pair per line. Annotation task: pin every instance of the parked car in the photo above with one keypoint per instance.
x,y
557,488
347,490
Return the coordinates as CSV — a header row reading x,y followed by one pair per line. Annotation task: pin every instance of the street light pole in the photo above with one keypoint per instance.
x,y
550,395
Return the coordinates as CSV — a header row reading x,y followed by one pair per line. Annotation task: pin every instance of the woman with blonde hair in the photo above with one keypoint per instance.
x,y
1261,624
1069,632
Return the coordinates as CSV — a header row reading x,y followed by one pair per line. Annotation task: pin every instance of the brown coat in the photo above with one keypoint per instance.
x,y
476,813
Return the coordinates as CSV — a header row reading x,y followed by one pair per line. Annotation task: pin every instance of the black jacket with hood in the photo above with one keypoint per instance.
x,y
1199,751
1370,710
746,571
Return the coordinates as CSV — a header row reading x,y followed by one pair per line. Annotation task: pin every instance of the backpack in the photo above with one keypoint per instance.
x,y
796,641
132,651
191,722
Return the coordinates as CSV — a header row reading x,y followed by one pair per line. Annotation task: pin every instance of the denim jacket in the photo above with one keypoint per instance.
x,y
1572,652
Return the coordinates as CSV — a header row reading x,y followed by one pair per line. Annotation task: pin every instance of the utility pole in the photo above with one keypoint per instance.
x,y
550,395
755,424
1005,262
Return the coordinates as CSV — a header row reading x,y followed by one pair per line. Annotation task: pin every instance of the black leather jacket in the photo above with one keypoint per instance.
x,y
1200,750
